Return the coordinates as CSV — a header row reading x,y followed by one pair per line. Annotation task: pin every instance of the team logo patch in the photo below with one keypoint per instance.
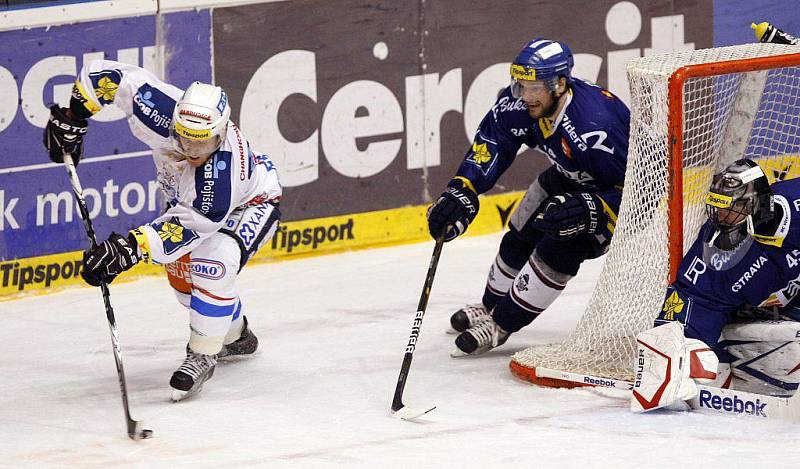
x,y
174,235
672,306
480,153
105,84
522,282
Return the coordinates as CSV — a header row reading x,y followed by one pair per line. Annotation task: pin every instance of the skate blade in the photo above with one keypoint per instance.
x,y
178,395
458,353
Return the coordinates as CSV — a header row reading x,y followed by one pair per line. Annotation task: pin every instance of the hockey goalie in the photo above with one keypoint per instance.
x,y
730,319
731,316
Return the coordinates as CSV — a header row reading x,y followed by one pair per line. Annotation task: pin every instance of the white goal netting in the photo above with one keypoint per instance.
x,y
727,114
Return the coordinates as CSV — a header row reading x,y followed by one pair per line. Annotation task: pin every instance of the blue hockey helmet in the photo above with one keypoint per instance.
x,y
542,59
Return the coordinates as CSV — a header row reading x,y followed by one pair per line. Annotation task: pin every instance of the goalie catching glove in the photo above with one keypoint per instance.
x,y
64,134
453,211
102,263
566,216
669,366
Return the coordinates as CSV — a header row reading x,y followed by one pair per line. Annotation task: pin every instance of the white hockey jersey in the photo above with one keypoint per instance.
x,y
199,200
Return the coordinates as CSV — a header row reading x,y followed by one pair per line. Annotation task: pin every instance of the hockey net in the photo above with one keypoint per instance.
x,y
692,113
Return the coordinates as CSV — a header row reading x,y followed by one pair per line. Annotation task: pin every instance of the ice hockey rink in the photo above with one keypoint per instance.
x,y
333,331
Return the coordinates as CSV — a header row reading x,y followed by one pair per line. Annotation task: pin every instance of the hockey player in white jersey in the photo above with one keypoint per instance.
x,y
221,202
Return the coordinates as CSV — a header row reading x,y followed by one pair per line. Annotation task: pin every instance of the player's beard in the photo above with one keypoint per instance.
x,y
550,110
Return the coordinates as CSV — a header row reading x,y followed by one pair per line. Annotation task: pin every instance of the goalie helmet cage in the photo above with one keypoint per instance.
x,y
692,113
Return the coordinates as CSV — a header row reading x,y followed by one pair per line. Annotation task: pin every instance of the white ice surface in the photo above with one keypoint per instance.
x,y
333,331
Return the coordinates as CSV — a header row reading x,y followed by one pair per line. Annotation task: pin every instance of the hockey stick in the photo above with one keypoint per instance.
x,y
709,399
399,409
135,430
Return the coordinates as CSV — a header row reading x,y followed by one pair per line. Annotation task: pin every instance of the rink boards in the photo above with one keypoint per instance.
x,y
293,239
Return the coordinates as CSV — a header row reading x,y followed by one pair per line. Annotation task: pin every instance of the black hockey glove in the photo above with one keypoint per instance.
x,y
110,258
566,216
453,211
64,134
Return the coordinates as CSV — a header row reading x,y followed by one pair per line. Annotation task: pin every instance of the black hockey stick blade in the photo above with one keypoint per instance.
x,y
135,431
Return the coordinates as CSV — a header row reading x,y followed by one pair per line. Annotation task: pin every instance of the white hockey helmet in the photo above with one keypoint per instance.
x,y
200,119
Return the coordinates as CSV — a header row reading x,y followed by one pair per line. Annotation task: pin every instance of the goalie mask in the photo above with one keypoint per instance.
x,y
543,61
739,201
200,121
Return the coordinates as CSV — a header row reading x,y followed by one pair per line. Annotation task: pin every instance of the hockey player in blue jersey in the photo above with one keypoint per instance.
x,y
568,213
746,255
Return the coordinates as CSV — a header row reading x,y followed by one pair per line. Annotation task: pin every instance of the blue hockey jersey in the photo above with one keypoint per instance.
x,y
764,271
587,141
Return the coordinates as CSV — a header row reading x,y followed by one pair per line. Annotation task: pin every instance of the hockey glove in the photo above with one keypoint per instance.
x,y
567,216
64,134
453,211
110,258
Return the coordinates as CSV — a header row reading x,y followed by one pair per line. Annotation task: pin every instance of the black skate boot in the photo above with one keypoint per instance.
x,y
480,339
189,378
246,344
468,316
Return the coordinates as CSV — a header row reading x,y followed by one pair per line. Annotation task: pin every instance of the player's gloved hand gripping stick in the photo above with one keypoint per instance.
x,y
134,427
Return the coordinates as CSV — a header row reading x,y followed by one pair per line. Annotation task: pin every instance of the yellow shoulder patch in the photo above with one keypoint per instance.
x,y
106,90
481,153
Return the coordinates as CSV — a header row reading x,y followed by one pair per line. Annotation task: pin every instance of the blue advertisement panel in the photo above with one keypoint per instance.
x,y
38,67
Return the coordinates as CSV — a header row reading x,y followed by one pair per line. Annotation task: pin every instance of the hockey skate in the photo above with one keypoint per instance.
x,y
246,344
480,339
189,378
468,316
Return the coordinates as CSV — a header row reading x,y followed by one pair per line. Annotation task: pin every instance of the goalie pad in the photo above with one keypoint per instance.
x,y
764,356
669,366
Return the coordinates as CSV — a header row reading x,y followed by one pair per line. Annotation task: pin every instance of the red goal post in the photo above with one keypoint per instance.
x,y
692,113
